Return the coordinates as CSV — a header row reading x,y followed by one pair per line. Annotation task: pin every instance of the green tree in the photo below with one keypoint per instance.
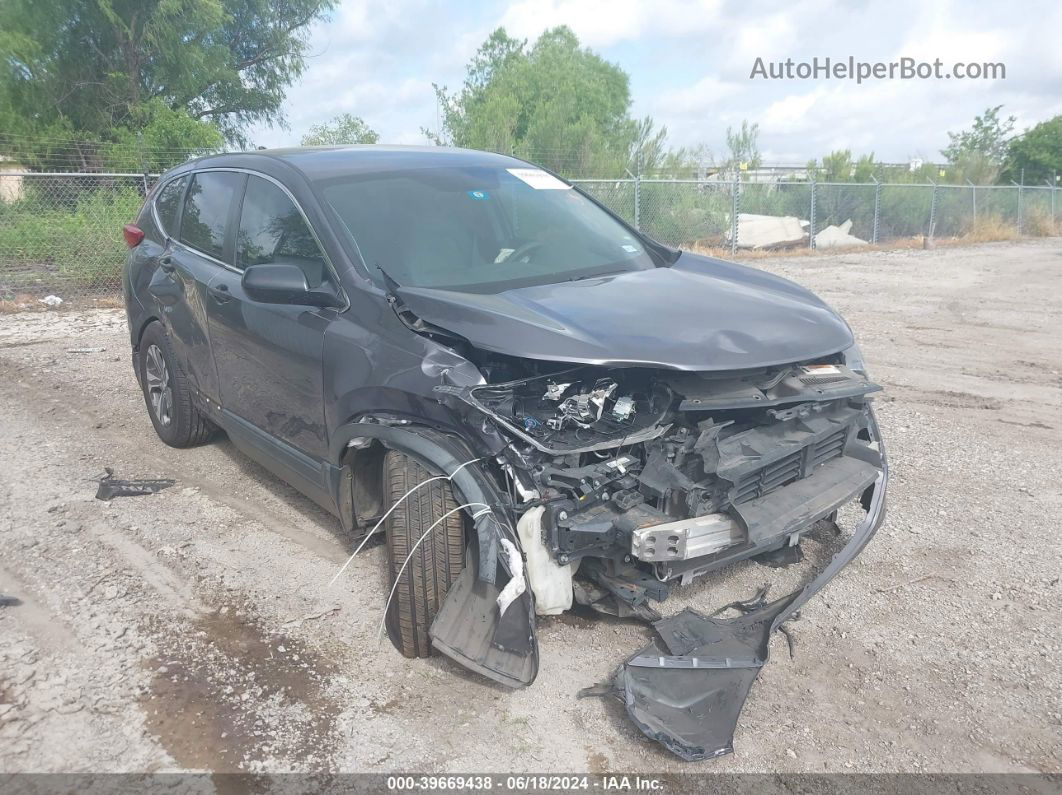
x,y
167,137
838,166
977,154
89,69
1036,154
743,145
343,129
553,102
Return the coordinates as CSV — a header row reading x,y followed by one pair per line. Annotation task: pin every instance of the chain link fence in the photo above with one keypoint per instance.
x,y
61,233
722,214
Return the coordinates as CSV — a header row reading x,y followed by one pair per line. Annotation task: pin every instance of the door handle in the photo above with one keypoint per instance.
x,y
166,263
220,293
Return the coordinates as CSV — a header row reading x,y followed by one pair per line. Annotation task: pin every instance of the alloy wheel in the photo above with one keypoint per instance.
x,y
160,391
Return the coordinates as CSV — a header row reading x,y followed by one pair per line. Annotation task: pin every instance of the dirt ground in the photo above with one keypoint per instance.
x,y
195,629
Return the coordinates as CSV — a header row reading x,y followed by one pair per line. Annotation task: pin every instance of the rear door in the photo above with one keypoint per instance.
x,y
204,243
160,221
269,356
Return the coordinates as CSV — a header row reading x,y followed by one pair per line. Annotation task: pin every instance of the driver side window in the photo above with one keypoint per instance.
x,y
272,230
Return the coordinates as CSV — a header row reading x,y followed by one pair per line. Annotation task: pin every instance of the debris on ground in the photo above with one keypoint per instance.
x,y
770,231
298,622
9,601
786,231
85,350
838,237
111,487
51,300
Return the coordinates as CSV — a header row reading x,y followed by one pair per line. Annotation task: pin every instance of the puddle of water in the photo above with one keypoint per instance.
x,y
227,696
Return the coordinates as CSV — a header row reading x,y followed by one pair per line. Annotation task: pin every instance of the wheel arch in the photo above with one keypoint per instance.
x,y
142,328
470,627
364,441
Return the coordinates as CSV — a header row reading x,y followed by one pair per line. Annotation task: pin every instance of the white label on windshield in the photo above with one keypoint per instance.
x,y
538,179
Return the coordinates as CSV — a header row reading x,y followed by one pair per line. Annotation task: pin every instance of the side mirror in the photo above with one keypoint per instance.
x,y
285,284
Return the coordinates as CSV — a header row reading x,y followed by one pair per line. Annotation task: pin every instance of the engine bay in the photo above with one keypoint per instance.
x,y
647,476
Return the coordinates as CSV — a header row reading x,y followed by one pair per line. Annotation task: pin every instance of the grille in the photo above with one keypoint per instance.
x,y
771,477
786,470
819,380
830,447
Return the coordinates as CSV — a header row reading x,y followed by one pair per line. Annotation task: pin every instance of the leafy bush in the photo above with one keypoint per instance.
x,y
79,242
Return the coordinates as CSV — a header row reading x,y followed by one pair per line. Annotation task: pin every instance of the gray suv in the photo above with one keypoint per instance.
x,y
535,404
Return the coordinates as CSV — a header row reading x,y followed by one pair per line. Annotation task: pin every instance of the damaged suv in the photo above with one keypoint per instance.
x,y
534,403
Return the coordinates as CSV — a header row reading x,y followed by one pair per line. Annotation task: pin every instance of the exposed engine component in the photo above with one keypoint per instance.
x,y
680,473
623,409
585,408
555,391
577,411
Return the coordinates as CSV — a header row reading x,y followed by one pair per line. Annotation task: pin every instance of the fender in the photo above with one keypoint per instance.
x,y
469,628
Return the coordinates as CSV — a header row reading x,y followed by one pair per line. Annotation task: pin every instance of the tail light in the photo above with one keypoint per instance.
x,y
133,235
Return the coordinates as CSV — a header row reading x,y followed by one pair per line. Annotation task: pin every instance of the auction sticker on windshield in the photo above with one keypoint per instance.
x,y
538,179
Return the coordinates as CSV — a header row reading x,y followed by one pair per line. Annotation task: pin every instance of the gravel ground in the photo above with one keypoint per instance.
x,y
194,629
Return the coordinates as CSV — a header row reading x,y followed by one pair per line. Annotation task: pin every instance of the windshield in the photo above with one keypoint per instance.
x,y
481,229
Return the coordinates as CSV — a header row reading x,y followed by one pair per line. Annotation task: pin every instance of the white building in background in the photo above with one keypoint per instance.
x,y
10,184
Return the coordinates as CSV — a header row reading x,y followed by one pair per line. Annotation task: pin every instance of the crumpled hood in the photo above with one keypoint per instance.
x,y
699,314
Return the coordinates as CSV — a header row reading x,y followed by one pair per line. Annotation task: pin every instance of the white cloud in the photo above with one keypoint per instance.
x,y
600,23
690,63
707,95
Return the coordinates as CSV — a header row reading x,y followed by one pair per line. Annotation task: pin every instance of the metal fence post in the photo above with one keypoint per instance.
x,y
1054,218
1021,210
973,193
140,153
932,211
877,210
638,203
636,179
811,229
735,207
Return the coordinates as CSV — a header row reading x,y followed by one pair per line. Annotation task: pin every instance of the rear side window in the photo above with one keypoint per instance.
x,y
166,204
272,230
206,211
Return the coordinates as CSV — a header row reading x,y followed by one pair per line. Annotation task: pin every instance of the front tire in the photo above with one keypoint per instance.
x,y
167,393
436,562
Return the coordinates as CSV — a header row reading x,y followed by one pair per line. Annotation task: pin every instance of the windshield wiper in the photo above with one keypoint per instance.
x,y
595,275
391,284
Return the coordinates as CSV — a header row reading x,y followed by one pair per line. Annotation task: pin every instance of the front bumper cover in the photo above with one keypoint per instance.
x,y
686,689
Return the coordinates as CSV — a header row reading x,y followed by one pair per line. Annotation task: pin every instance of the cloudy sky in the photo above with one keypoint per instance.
x,y
689,62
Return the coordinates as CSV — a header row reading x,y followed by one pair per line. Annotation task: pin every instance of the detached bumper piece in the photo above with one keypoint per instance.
x,y
686,689
688,695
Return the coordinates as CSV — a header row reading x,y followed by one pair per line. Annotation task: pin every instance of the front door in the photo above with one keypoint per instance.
x,y
269,356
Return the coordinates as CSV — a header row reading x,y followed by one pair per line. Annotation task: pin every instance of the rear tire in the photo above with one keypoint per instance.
x,y
437,561
168,394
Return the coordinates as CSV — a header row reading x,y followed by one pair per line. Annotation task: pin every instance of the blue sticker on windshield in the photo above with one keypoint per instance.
x,y
478,194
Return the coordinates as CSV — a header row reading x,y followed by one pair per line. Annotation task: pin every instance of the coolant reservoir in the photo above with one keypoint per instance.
x,y
550,582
